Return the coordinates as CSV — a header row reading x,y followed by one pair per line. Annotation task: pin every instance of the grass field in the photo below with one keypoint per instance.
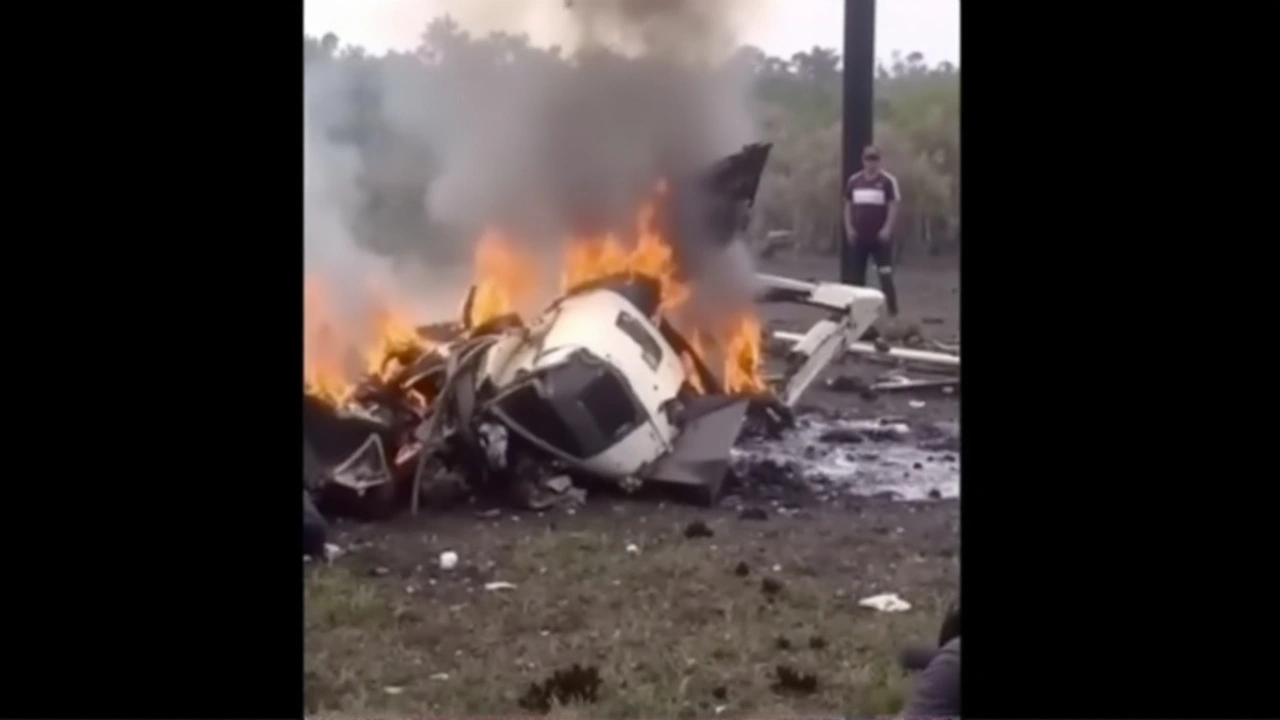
x,y
675,626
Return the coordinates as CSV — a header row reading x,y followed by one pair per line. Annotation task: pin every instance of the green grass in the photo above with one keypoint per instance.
x,y
673,630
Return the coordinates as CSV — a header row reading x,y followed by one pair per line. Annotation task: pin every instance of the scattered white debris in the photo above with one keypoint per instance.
x,y
917,404
499,585
331,551
777,568
721,708
448,560
392,690
440,676
633,549
559,483
885,602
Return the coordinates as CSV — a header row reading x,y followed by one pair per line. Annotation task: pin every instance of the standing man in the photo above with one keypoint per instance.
x,y
871,200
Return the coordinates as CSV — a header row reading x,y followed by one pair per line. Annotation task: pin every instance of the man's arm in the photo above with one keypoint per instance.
x,y
893,198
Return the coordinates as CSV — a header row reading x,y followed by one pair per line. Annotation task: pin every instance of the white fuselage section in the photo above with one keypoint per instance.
x,y
594,321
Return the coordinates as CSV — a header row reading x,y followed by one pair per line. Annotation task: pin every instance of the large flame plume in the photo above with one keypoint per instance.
x,y
506,281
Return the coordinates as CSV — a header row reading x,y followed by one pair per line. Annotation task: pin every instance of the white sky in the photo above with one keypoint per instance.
x,y
780,27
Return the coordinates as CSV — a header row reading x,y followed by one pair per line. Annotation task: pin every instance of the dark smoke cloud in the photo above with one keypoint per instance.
x,y
537,147
578,147
674,29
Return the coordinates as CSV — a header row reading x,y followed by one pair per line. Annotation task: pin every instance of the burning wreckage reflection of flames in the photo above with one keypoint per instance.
x,y
505,282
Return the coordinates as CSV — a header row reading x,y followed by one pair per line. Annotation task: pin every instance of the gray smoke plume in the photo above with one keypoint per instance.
x,y
549,148
409,157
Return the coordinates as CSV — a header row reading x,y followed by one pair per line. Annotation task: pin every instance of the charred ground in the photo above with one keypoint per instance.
x,y
661,621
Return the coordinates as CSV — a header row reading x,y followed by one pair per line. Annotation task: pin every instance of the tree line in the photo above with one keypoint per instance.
x,y
798,103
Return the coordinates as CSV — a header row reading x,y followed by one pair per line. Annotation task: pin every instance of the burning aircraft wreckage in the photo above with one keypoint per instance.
x,y
613,381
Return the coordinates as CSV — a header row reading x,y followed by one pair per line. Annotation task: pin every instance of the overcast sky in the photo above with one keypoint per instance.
x,y
780,27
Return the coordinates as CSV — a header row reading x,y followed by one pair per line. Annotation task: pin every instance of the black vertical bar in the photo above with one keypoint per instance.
x,y
859,84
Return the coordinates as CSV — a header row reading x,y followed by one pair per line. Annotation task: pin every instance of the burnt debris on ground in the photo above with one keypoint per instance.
x,y
831,456
827,458
793,682
577,684
813,456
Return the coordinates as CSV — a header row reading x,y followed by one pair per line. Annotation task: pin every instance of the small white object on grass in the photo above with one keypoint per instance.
x,y
500,585
917,404
633,549
885,602
392,690
440,676
448,560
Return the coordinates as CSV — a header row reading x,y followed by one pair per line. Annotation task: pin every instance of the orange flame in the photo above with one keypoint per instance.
x,y
588,259
742,355
506,281
322,371
337,355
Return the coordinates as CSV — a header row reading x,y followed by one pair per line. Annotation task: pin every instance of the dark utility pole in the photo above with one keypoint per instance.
x,y
859,82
